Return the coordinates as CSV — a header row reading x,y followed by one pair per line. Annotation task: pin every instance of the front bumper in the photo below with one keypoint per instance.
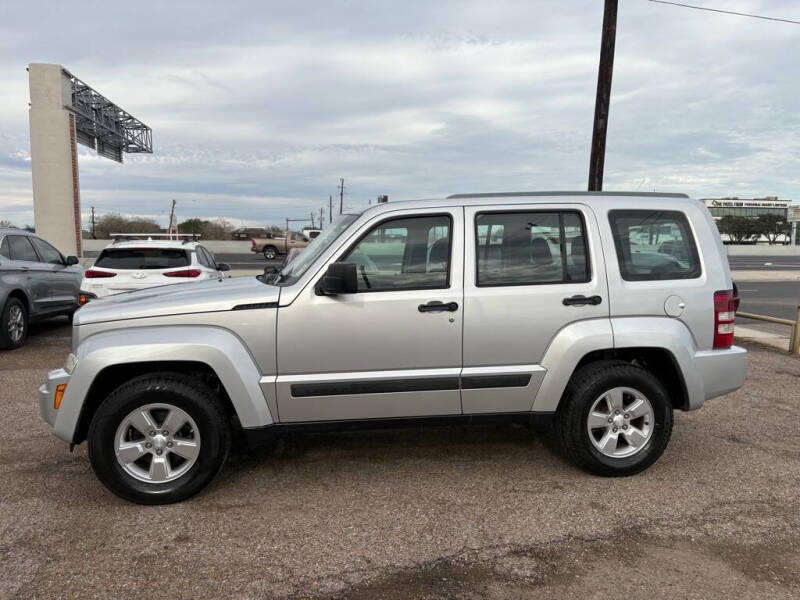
x,y
47,394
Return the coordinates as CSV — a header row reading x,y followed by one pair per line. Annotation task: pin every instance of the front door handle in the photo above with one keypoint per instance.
x,y
582,300
436,306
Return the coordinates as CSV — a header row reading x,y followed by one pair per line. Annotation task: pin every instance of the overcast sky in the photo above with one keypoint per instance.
x,y
257,108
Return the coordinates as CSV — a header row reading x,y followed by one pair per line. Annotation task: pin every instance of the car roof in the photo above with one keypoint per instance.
x,y
14,231
489,198
165,244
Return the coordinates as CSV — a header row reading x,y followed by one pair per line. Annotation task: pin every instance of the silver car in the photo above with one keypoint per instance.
x,y
36,282
529,307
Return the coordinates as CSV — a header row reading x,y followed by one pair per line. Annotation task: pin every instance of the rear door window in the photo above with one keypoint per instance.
x,y
202,258
142,258
21,249
654,245
530,248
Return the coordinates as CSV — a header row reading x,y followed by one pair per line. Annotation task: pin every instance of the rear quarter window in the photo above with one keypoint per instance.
x,y
142,258
654,245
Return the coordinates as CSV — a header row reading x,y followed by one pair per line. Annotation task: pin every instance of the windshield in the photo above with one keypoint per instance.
x,y
297,268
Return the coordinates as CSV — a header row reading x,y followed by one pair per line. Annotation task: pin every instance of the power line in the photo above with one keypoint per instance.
x,y
727,12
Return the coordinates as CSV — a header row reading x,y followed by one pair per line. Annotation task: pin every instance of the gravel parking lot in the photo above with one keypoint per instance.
x,y
486,512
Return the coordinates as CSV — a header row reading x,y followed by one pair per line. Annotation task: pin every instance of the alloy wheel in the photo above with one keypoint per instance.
x,y
157,443
16,323
620,422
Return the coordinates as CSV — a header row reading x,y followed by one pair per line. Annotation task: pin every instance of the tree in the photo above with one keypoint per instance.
x,y
773,226
7,224
217,229
739,229
192,226
115,223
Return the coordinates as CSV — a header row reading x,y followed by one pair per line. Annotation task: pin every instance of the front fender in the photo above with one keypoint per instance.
x,y
218,348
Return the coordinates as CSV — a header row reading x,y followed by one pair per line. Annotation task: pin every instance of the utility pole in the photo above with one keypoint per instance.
x,y
322,217
330,208
341,195
601,105
171,219
93,223
312,220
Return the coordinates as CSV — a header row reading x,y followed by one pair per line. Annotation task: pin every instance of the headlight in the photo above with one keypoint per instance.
x,y
71,363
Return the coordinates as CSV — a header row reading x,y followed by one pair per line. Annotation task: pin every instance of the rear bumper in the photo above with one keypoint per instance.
x,y
721,371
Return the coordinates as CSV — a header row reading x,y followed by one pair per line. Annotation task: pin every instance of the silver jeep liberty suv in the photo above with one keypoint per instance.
x,y
596,314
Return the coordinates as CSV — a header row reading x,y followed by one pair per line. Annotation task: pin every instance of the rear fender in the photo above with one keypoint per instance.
x,y
562,356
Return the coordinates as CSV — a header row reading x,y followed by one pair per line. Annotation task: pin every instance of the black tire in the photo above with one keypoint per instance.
x,y
588,384
270,252
12,306
193,397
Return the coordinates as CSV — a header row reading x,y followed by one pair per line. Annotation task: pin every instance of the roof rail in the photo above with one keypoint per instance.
x,y
504,194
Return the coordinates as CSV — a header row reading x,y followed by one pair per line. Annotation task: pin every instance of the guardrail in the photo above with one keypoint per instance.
x,y
794,336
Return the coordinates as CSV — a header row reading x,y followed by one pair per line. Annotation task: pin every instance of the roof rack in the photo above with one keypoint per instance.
x,y
506,194
184,237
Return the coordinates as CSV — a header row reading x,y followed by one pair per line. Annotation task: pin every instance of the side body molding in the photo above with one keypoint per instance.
x,y
671,335
216,347
564,353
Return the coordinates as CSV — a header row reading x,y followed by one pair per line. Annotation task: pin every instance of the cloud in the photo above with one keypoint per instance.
x,y
258,108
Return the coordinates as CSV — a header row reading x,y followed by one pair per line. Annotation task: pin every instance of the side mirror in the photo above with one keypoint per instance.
x,y
72,260
223,267
340,278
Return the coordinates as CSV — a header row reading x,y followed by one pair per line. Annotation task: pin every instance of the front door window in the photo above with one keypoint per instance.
x,y
404,254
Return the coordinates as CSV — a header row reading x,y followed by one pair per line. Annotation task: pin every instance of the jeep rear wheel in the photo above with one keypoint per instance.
x,y
615,419
159,438
270,252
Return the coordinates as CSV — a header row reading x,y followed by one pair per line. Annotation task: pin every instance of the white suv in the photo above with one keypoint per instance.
x,y
549,309
139,264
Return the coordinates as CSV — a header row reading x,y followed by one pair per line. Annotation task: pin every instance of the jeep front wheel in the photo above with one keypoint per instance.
x,y
616,419
159,438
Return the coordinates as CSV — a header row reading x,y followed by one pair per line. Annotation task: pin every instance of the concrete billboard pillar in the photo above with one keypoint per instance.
x,y
54,158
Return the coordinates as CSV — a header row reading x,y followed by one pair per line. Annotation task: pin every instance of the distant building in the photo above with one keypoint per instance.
x,y
747,207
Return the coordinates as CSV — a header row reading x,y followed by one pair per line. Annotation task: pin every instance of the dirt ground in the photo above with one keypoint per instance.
x,y
481,512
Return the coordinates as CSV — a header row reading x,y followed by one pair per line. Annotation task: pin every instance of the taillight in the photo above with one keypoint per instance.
x,y
92,274
724,314
184,273
254,243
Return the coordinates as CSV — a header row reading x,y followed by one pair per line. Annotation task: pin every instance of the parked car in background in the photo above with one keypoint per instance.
x,y
311,232
124,266
36,282
527,307
271,247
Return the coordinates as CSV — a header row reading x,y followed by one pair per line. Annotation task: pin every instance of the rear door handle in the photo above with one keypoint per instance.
x,y
582,300
436,306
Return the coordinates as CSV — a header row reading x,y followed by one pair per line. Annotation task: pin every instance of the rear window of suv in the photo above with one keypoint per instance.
x,y
142,258
654,245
